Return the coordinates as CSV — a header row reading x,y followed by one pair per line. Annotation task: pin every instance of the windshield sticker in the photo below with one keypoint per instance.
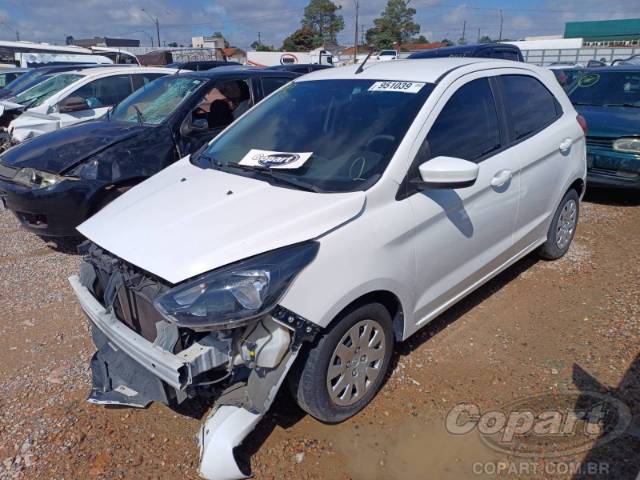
x,y
589,80
390,86
270,159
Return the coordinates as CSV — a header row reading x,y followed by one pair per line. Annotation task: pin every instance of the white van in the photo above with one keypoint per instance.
x,y
311,236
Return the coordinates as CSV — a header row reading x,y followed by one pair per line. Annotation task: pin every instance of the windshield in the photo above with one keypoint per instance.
x,y
607,88
19,83
156,100
328,135
37,95
568,77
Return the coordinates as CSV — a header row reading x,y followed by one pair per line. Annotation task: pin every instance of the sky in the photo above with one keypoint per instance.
x,y
241,20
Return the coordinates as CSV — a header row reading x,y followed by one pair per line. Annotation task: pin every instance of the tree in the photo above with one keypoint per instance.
x,y
485,39
320,16
420,39
394,26
446,41
172,44
302,40
462,41
260,47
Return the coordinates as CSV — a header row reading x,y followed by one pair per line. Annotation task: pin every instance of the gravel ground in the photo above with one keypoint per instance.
x,y
525,333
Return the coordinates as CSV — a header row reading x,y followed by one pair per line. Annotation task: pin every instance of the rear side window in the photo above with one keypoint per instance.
x,y
531,106
271,84
467,126
105,92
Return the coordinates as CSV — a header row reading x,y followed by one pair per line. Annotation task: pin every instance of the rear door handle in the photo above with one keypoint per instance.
x,y
565,145
500,178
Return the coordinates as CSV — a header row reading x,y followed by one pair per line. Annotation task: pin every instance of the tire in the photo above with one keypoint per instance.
x,y
562,228
310,381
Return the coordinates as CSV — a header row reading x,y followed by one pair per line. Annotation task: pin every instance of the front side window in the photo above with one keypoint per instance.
x,y
154,102
105,92
467,127
346,132
608,89
39,93
531,106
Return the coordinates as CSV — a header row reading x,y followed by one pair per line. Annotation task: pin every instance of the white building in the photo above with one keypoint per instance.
x,y
207,42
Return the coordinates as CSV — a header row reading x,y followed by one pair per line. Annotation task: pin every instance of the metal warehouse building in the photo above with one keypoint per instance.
x,y
605,33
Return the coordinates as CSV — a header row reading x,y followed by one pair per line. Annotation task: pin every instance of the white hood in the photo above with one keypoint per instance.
x,y
185,220
33,122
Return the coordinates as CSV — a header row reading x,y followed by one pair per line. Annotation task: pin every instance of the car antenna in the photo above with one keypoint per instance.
x,y
361,67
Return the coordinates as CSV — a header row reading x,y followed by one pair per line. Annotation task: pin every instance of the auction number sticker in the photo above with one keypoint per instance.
x,y
391,86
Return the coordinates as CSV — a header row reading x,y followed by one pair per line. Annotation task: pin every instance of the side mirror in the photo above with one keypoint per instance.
x,y
447,172
199,125
72,104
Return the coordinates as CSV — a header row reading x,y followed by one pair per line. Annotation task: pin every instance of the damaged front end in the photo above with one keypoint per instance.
x,y
221,335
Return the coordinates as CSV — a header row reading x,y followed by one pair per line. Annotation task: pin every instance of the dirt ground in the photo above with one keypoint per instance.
x,y
540,327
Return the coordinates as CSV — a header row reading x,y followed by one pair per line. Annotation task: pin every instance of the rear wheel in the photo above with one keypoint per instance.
x,y
342,372
562,228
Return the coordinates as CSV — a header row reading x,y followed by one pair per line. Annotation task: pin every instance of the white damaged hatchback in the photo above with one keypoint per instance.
x,y
337,217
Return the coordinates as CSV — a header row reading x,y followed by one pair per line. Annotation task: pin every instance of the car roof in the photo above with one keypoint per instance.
x,y
469,48
233,70
112,70
428,70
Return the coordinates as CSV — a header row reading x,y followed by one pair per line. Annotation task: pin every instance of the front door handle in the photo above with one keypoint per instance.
x,y
500,178
565,145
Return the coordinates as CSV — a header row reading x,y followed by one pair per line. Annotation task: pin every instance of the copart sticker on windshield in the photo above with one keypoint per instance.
x,y
391,86
270,159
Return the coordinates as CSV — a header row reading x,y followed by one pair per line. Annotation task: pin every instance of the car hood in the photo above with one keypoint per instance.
x,y
611,121
7,105
60,150
185,220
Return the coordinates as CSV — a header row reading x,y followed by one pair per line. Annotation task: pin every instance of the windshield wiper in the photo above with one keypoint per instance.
x,y
587,104
632,105
289,180
139,114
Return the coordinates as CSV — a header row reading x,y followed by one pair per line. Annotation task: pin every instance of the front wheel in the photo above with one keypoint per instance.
x,y
342,372
562,228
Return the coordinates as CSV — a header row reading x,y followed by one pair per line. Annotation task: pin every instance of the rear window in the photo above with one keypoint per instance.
x,y
531,106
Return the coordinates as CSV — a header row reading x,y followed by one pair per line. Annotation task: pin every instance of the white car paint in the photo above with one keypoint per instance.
x,y
43,118
429,249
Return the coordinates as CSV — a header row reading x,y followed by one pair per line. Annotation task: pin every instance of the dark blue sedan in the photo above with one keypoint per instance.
x,y
609,99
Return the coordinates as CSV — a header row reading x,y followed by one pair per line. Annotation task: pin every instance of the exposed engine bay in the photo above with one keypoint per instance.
x,y
142,357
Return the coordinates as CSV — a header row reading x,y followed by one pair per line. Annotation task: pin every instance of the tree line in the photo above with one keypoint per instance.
x,y
321,23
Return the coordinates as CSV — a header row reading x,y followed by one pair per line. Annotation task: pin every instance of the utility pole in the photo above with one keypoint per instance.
x,y
501,20
355,41
464,30
478,40
156,22
362,33
259,39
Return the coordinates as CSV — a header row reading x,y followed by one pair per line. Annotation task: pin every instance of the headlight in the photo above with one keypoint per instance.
x,y
631,145
234,295
30,177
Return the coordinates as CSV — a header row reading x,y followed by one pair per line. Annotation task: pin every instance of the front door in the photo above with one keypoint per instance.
x,y
463,235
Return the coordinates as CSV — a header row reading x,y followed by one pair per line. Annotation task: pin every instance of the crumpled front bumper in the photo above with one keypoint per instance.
x,y
131,370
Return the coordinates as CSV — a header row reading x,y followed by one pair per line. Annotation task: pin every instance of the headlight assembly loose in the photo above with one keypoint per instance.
x,y
30,177
234,295
631,145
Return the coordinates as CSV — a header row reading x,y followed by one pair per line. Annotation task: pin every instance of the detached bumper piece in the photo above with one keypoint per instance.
x,y
142,358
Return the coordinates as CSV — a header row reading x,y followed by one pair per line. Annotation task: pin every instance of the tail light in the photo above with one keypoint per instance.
x,y
583,123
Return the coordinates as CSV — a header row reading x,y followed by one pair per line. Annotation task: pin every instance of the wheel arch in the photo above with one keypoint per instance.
x,y
103,192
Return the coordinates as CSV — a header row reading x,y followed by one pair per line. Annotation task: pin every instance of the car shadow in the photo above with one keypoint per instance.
x,y
66,245
614,455
613,197
456,311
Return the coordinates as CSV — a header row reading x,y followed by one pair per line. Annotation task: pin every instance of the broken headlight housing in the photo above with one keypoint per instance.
x,y
30,177
234,295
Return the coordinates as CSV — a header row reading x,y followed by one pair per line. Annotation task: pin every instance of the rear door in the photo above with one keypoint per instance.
x,y
463,235
543,139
